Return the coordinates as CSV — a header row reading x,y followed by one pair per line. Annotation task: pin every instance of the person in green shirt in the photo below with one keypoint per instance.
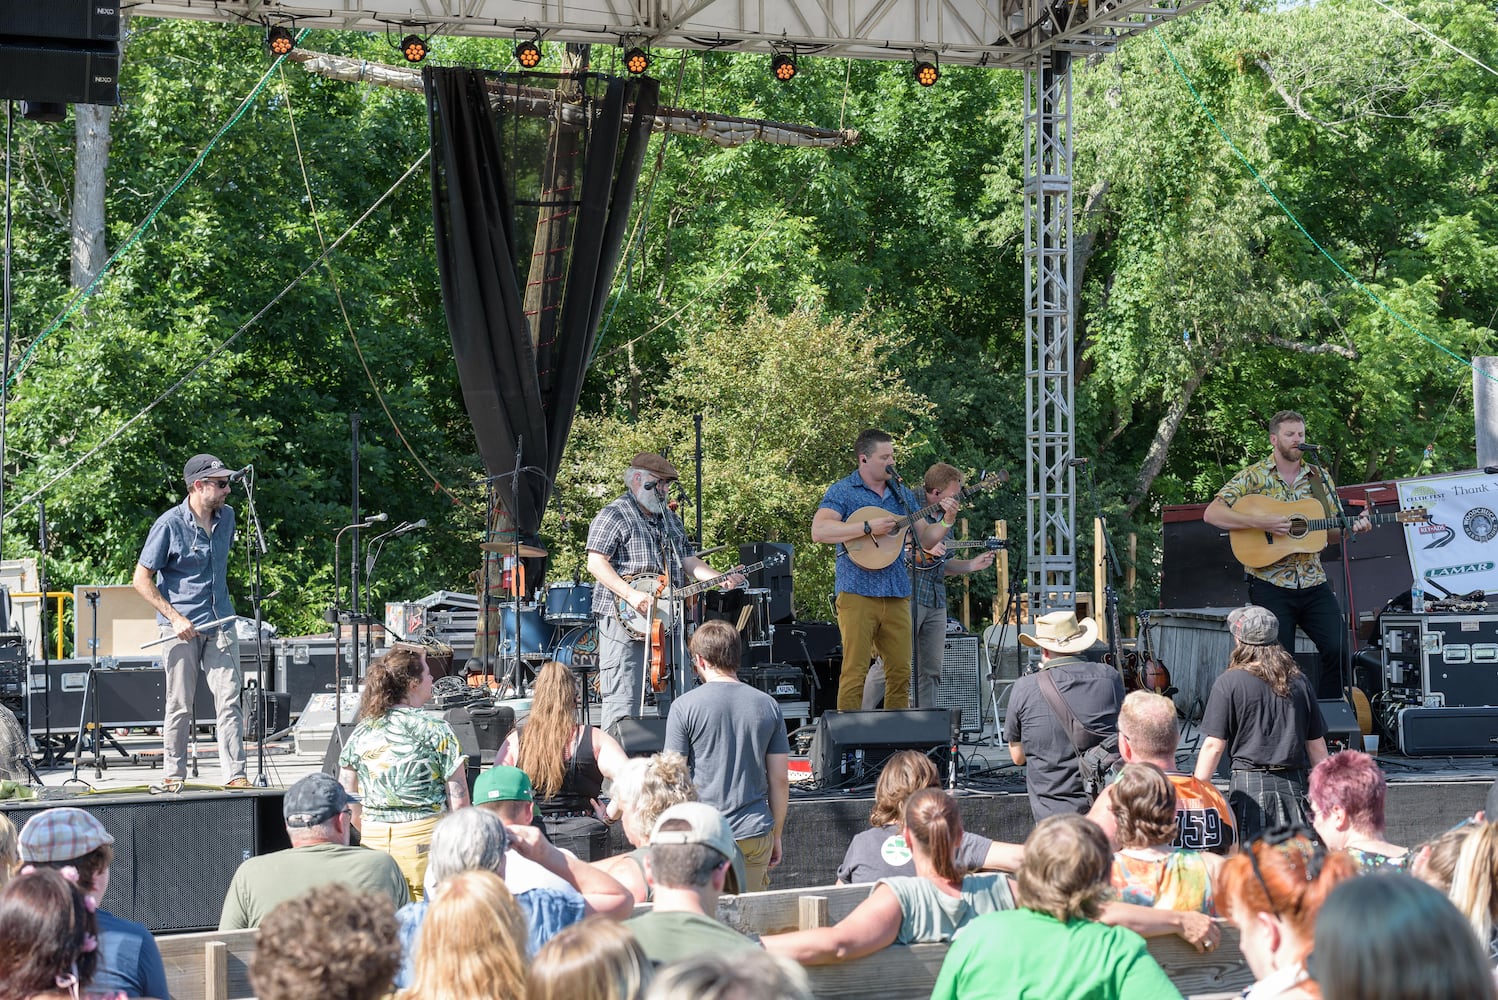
x,y
1053,946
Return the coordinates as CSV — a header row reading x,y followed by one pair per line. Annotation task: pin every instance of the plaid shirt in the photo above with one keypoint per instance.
x,y
631,540
844,497
1298,570
931,578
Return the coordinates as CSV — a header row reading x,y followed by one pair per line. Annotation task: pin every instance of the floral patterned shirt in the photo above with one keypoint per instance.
x,y
1298,570
403,760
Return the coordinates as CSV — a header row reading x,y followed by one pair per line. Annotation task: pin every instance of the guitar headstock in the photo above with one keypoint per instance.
x,y
1412,515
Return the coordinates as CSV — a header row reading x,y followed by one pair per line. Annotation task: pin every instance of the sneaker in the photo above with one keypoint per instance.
x,y
166,786
239,782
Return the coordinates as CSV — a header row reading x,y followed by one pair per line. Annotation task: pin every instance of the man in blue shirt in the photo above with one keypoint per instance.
x,y
873,606
188,551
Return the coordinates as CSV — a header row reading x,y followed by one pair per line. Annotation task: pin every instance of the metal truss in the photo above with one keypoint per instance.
x,y
998,33
1050,478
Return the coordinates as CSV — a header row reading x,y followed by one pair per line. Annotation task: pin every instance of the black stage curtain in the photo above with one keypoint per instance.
x,y
530,211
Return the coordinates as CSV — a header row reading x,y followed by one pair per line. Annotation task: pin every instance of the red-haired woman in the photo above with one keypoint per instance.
x,y
1346,796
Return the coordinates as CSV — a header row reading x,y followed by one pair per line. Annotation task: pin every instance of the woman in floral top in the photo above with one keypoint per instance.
x,y
1148,871
404,764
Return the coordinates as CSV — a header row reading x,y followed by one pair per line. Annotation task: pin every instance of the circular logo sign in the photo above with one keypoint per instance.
x,y
1480,524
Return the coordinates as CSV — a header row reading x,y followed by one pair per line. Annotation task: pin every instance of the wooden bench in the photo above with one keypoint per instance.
x,y
213,965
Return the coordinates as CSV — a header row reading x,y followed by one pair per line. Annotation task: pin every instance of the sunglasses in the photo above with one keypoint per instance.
x,y
221,483
1311,851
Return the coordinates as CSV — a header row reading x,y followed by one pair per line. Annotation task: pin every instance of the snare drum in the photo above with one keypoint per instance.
x,y
535,633
569,603
755,617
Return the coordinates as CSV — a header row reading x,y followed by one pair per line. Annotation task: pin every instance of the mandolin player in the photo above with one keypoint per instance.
x,y
1293,587
635,534
873,605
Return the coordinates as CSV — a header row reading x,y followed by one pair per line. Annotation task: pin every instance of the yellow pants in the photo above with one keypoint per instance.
x,y
757,861
871,624
408,843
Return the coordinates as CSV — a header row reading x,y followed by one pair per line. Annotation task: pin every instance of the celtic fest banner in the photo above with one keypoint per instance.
x,y
1458,548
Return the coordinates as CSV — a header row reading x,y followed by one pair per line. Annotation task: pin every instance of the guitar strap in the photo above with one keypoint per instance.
x,y
1323,495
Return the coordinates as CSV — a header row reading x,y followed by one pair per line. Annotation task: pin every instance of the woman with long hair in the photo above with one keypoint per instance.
x,y
405,765
931,905
598,959
1147,870
644,788
1263,714
1053,944
472,942
1346,797
881,851
567,764
1392,937
1272,891
49,937
1474,885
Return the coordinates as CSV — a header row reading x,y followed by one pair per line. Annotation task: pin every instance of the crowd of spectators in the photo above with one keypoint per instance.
x,y
1323,905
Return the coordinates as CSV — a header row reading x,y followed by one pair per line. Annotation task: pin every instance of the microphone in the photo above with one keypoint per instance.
x,y
406,528
239,474
889,470
1077,463
1303,446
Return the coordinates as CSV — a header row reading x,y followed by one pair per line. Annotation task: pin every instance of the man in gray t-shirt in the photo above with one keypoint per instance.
x,y
734,740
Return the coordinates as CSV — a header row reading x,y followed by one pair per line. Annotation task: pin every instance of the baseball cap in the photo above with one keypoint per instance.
x,y
204,467
502,783
314,799
705,825
1253,625
62,834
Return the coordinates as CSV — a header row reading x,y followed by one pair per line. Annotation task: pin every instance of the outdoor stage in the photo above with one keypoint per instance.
x,y
175,854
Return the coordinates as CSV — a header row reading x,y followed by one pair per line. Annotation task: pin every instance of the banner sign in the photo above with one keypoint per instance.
x,y
1458,547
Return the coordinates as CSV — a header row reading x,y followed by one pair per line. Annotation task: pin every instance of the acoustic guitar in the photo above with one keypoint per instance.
x,y
1256,548
874,552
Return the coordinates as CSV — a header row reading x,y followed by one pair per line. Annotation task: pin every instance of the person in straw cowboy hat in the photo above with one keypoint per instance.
x,y
1039,738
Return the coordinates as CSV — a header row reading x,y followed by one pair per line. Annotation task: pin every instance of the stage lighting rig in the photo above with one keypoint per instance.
x,y
783,66
279,40
528,52
926,72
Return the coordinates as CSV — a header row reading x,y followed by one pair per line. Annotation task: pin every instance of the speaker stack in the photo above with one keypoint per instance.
x,y
60,51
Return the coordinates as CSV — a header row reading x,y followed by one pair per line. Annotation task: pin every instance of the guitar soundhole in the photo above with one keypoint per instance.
x,y
1297,529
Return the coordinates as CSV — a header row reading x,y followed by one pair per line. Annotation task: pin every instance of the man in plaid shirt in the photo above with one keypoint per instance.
x,y
1295,588
636,534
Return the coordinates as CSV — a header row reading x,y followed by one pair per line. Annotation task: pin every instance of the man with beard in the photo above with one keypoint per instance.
x,y
632,535
187,550
1294,588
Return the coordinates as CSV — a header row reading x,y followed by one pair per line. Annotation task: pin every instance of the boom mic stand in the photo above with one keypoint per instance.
x,y
915,540
335,617
516,663
255,542
49,757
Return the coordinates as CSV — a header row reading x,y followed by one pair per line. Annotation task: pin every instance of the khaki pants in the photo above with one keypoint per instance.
x,y
757,861
181,660
869,624
408,843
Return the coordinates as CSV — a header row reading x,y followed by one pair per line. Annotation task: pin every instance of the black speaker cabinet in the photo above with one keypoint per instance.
x,y
1441,732
491,724
1341,724
776,579
35,72
850,748
174,856
640,737
131,692
80,21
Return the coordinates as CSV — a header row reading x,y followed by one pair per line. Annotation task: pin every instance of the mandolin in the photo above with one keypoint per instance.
x,y
1256,548
1152,673
875,552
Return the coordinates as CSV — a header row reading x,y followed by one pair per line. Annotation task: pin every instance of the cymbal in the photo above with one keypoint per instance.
x,y
715,548
509,548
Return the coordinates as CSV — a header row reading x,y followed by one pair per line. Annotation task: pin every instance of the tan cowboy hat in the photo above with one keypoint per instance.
x,y
1060,632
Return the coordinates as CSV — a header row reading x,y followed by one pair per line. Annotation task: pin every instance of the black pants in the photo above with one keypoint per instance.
x,y
1314,609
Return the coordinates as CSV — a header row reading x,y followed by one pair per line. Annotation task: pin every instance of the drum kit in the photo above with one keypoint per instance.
x,y
559,627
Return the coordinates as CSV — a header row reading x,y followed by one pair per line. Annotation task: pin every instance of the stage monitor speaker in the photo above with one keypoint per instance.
x,y
81,21
776,579
850,748
337,740
35,72
131,693
277,712
961,684
640,737
1441,732
1341,724
491,724
174,856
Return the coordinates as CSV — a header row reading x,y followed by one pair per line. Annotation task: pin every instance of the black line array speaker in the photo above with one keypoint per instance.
x,y
850,748
84,21
775,579
174,855
640,737
61,51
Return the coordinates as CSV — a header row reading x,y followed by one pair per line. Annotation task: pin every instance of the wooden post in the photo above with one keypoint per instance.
x,y
813,912
1131,577
1001,573
967,588
1099,578
216,970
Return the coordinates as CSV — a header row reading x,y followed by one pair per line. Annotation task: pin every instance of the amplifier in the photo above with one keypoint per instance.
x,y
961,682
780,681
640,737
34,72
131,691
850,748
64,20
13,673
1443,732
1436,659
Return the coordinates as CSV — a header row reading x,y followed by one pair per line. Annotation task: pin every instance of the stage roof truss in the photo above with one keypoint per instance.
x,y
996,33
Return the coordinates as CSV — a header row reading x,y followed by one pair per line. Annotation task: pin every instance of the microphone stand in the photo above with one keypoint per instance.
x,y
1344,528
255,553
337,620
49,758
915,539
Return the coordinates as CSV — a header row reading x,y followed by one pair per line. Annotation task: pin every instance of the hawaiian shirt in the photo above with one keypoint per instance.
x,y
403,760
1298,570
